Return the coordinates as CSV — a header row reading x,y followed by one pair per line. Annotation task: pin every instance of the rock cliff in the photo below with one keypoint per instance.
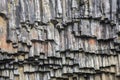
x,y
59,39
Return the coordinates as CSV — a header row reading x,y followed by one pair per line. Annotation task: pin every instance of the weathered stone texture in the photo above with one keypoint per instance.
x,y
59,39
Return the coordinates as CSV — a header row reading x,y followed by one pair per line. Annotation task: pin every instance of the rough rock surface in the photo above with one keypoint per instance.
x,y
59,39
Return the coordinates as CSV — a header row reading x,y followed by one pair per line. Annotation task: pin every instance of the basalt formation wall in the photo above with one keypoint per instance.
x,y
59,39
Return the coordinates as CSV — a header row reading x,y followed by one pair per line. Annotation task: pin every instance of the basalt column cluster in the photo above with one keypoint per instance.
x,y
59,39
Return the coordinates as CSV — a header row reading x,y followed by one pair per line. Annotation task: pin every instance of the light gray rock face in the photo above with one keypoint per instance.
x,y
59,39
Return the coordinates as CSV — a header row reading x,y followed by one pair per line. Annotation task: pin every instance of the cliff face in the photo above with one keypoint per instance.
x,y
59,39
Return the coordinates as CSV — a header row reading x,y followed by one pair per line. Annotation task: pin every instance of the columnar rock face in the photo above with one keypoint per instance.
x,y
59,39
